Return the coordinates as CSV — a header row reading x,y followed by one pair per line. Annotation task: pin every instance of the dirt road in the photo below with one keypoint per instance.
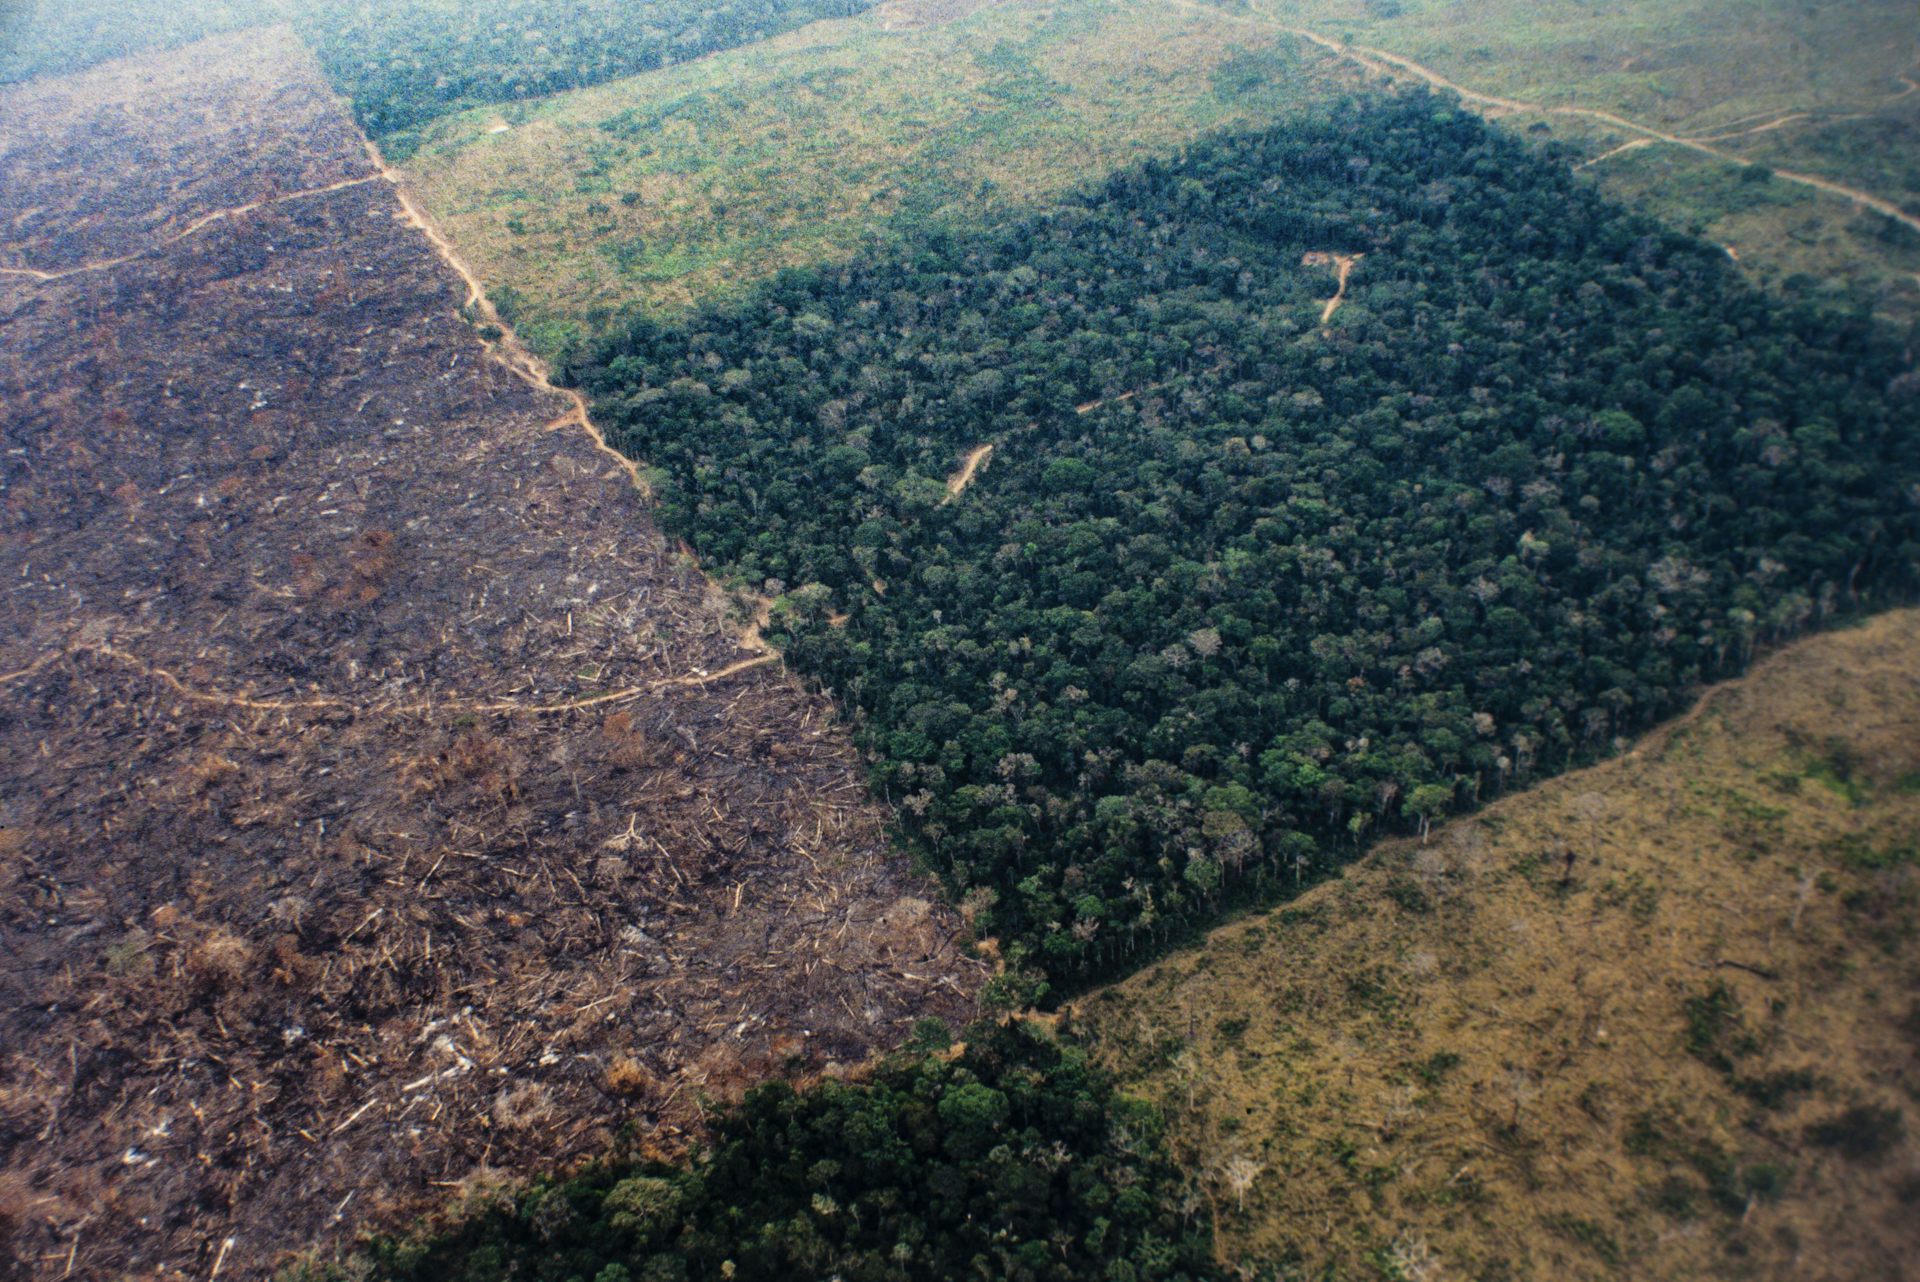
x,y
507,348
454,705
1392,65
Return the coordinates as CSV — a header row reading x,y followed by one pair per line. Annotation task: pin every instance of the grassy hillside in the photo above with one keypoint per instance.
x,y
679,187
1692,1050
1829,89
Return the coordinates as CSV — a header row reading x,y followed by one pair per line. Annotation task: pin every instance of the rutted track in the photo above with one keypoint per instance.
x,y
1343,265
508,348
969,468
1392,65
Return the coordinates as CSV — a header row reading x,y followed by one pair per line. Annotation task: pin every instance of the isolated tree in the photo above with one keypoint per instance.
x,y
1425,802
1239,1172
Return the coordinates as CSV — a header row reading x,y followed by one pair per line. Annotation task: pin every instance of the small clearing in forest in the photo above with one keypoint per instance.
x,y
970,466
1342,265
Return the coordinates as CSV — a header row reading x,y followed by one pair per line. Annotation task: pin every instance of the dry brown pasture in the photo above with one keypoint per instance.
x,y
385,804
1655,1019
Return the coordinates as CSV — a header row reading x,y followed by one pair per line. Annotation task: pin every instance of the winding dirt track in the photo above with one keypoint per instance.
x,y
530,369
1625,147
320,702
198,225
1791,118
1343,265
508,348
1391,65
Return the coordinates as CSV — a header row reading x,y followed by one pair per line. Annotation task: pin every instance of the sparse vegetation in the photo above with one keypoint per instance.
x,y
690,186
1568,1084
1715,1033
1862,1133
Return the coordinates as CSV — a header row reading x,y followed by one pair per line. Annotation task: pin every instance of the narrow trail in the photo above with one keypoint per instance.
x,y
520,360
196,226
1099,402
333,703
1342,265
970,466
1791,117
1621,150
1382,63
508,348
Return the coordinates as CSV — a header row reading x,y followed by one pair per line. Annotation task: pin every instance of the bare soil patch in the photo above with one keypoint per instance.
x,y
388,804
969,468
1343,265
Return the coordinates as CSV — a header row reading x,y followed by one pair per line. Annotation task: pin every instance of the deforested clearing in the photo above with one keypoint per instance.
x,y
1652,1019
388,804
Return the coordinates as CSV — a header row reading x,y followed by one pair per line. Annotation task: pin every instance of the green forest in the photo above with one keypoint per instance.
x,y
1239,590
407,63
1011,1160
403,66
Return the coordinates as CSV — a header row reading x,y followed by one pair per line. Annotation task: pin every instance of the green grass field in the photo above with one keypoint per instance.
x,y
1690,66
673,188
1830,89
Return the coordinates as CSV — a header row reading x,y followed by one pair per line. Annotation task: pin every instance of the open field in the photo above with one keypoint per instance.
x,y
1659,1019
1829,90
677,188
387,802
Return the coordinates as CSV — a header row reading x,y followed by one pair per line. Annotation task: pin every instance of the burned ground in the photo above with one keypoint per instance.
x,y
386,802
183,136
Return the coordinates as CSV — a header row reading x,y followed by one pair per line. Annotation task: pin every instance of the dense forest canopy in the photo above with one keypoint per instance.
x,y
406,62
1012,1160
1238,588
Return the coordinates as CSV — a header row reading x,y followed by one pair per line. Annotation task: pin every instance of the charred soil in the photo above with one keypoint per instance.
x,y
387,804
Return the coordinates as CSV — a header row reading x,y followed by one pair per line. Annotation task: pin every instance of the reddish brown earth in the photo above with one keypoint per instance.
x,y
385,802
